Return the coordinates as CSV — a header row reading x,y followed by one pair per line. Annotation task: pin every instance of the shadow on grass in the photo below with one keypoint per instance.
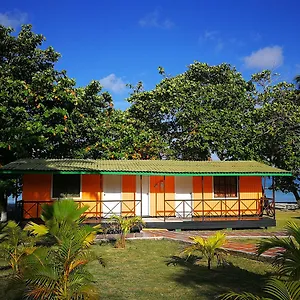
x,y
209,284
298,218
10,288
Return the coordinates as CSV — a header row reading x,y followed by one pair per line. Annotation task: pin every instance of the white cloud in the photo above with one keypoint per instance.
x,y
13,19
265,58
113,83
154,20
219,40
212,37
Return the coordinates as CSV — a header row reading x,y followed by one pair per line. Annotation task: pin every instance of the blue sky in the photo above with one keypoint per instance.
x,y
119,42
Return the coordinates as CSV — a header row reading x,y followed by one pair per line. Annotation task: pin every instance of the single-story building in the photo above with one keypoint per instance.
x,y
167,194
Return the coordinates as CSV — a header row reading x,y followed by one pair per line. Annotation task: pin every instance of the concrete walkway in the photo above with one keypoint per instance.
x,y
248,249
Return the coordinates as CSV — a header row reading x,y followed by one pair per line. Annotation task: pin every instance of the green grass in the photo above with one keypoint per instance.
x,y
245,240
284,216
141,271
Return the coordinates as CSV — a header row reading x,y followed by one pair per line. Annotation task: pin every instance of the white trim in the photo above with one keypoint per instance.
x,y
138,189
75,198
226,198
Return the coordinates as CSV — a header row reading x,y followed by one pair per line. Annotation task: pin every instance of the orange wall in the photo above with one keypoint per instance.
x,y
250,188
197,194
91,190
128,193
36,187
159,185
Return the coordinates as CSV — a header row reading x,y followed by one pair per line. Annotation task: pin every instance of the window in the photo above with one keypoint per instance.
x,y
225,187
65,186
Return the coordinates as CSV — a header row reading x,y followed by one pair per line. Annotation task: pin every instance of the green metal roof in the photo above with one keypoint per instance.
x,y
143,167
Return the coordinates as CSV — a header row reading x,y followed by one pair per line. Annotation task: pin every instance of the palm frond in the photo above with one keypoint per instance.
x,y
289,264
293,229
36,229
286,245
68,211
287,260
241,296
283,290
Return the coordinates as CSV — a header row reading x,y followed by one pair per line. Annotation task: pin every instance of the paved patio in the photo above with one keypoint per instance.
x,y
248,249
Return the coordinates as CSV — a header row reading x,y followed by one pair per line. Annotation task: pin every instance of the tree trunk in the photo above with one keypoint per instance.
x,y
3,207
208,263
123,240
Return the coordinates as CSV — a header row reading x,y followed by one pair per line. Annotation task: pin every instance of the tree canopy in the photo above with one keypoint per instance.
x,y
194,110
205,110
212,109
45,115
277,128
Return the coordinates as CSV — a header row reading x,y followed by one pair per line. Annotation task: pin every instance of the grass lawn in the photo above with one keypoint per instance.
x,y
284,216
141,272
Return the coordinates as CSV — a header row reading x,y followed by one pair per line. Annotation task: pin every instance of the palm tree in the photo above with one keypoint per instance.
x,y
125,225
60,272
288,258
278,290
15,245
61,219
209,247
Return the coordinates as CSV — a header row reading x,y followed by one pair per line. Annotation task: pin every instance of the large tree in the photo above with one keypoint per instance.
x,y
122,137
277,128
212,109
43,113
206,109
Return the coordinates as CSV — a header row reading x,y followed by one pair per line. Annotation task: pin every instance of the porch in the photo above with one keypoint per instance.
x,y
176,214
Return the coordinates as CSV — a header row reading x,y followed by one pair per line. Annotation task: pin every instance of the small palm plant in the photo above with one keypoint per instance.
x,y
278,290
287,260
60,272
209,247
15,245
125,225
61,219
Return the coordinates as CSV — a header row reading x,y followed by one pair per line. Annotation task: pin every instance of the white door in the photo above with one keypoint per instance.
x,y
183,196
145,196
112,195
